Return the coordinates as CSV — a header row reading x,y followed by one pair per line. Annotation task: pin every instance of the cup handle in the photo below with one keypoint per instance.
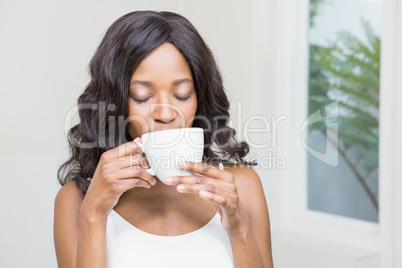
x,y
149,170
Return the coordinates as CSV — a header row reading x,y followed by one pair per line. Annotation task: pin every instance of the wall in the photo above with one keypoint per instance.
x,y
45,49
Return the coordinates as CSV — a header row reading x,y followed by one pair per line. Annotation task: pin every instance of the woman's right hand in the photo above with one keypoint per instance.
x,y
119,169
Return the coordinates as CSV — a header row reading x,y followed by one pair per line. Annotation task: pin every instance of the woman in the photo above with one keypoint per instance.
x,y
153,70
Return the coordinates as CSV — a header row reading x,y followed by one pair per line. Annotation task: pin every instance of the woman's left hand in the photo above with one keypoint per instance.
x,y
217,186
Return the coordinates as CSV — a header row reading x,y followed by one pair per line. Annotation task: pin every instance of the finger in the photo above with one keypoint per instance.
x,y
135,171
196,179
133,160
204,169
124,150
217,199
223,189
192,188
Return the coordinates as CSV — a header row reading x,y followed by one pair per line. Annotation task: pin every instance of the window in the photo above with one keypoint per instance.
x,y
343,105
297,214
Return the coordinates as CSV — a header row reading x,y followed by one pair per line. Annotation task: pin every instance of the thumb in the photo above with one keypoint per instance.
x,y
138,140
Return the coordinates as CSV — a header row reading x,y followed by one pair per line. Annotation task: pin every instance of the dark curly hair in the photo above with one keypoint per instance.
x,y
127,41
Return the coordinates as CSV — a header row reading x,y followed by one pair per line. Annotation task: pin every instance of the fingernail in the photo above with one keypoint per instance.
x,y
168,180
180,187
154,181
137,140
204,193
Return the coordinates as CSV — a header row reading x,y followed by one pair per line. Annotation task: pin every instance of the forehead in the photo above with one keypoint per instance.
x,y
165,61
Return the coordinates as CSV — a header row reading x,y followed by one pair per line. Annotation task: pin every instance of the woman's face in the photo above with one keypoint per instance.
x,y
162,94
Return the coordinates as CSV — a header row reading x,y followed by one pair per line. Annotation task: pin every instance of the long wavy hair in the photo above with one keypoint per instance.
x,y
127,41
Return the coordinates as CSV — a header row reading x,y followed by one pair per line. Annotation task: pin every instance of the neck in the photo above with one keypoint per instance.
x,y
159,191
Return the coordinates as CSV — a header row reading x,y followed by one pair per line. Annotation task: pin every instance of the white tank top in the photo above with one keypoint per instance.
x,y
128,246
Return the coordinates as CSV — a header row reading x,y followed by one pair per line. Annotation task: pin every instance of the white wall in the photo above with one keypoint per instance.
x,y
45,49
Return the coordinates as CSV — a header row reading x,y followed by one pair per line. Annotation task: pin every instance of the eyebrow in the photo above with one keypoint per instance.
x,y
150,84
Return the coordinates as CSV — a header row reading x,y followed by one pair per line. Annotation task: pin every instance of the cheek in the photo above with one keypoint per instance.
x,y
191,110
139,119
138,110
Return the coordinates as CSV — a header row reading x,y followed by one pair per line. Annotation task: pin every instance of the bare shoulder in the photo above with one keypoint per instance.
x,y
69,197
245,177
249,189
252,198
66,213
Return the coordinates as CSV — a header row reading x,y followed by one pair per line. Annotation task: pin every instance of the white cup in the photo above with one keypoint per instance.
x,y
165,149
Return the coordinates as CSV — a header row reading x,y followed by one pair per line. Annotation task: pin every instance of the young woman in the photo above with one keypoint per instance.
x,y
151,72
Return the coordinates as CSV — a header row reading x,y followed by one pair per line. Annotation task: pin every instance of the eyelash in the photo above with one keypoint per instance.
x,y
145,100
141,101
183,99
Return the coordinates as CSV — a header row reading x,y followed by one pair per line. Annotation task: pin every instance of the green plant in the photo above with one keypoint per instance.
x,y
314,7
348,71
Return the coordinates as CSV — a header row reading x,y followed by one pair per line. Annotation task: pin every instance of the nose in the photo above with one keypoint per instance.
x,y
164,113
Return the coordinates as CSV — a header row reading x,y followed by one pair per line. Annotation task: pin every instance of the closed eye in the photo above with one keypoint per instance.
x,y
141,101
183,99
145,100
